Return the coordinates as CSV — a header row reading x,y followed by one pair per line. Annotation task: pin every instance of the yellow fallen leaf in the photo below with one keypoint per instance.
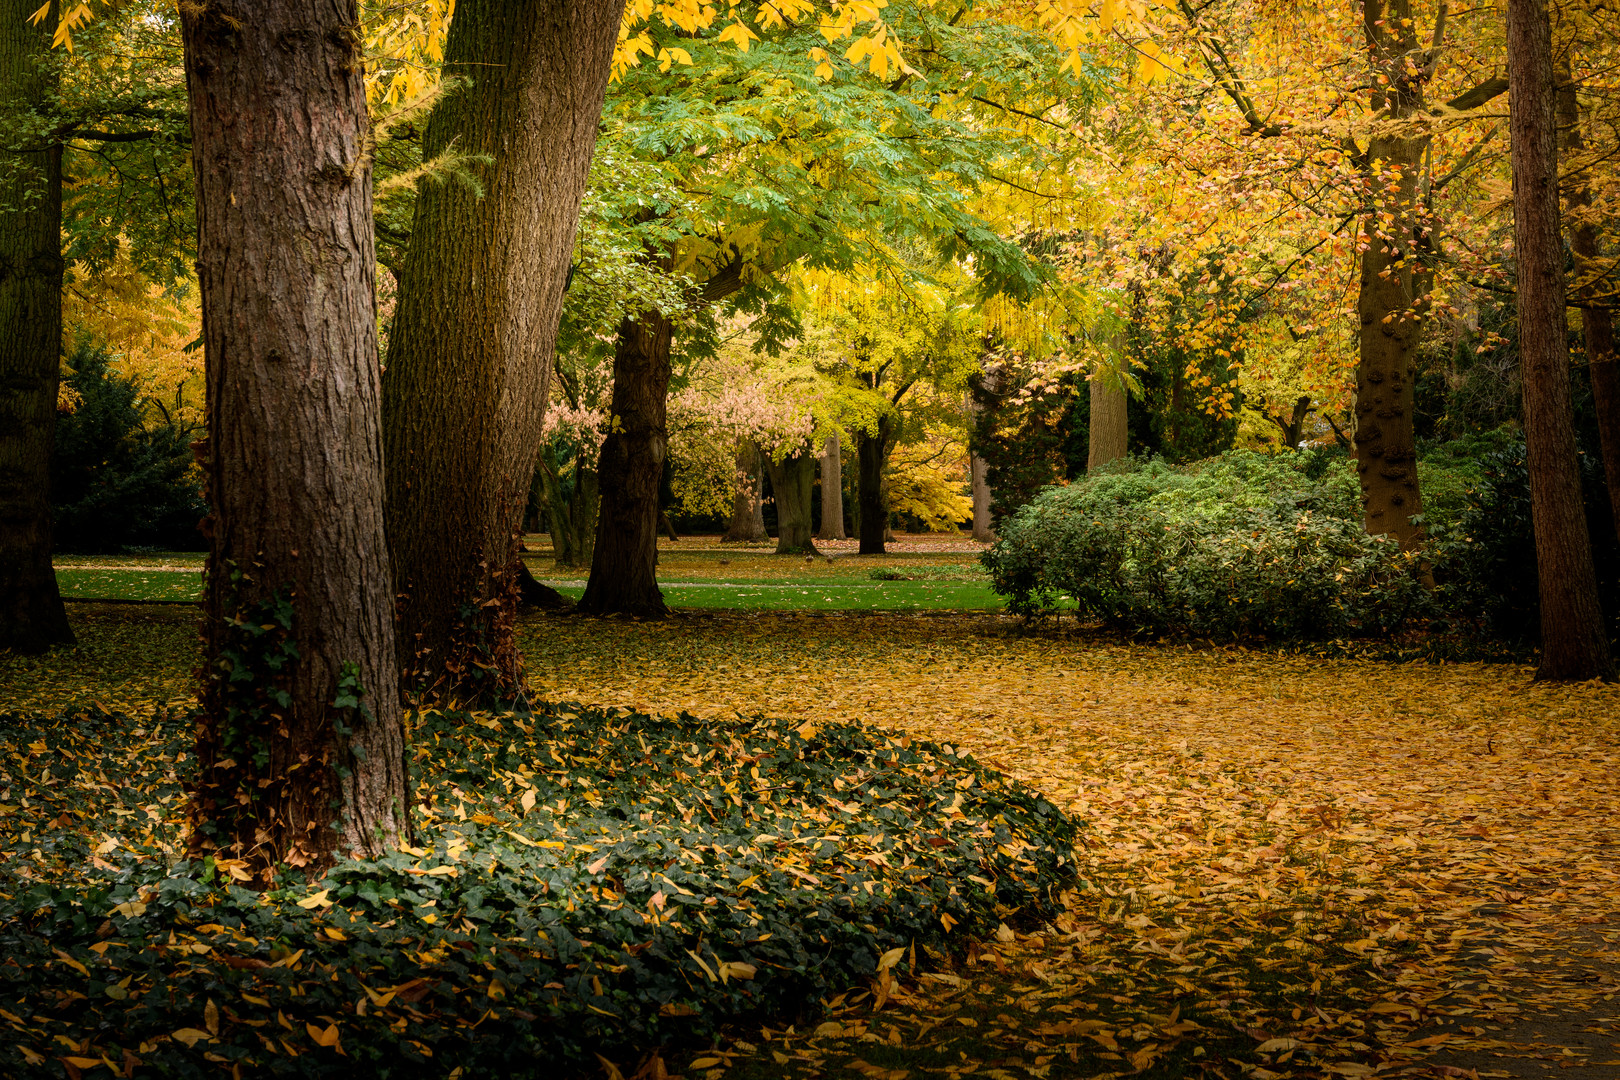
x,y
191,1036
314,901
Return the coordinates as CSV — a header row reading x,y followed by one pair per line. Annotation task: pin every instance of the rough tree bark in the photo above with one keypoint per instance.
x,y
571,516
624,567
872,495
747,499
1573,642
832,490
792,480
32,618
469,355
1109,416
1597,320
299,739
1393,298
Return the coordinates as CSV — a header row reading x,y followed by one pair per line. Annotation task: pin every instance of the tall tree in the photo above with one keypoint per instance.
x,y
832,489
300,747
747,502
793,478
32,618
1574,644
470,351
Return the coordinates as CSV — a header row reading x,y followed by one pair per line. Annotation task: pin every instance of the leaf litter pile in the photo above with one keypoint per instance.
x,y
586,881
1289,865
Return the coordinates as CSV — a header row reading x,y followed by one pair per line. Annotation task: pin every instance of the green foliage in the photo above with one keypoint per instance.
x,y
1029,440
1244,544
587,881
116,480
1486,561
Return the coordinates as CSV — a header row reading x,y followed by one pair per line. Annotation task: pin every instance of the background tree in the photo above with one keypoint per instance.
x,y
300,747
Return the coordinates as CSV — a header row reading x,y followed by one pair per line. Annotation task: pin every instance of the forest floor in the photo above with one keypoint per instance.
x,y
1296,865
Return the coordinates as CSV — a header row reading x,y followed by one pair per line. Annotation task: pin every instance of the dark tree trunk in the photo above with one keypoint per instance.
x,y
31,615
793,480
1393,297
469,356
299,740
1573,642
624,567
1597,320
872,457
747,501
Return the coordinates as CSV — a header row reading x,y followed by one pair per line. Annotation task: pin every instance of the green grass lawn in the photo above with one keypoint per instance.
x,y
696,573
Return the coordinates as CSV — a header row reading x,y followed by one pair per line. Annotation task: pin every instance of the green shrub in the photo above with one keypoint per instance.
x,y
588,881
1486,561
1243,544
117,482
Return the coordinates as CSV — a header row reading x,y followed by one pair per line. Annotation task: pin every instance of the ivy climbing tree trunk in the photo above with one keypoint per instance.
x,y
793,479
32,618
299,742
469,355
624,566
1574,645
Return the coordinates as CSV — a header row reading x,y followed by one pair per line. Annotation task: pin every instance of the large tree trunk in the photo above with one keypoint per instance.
x,y
469,356
747,501
1597,321
624,567
299,742
832,490
792,480
872,497
31,615
1393,296
1110,406
1573,642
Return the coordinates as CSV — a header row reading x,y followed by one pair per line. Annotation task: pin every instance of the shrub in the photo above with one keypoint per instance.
x,y
117,482
1486,561
587,881
1243,544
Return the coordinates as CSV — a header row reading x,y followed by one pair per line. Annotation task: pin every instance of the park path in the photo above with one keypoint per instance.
x,y
1269,834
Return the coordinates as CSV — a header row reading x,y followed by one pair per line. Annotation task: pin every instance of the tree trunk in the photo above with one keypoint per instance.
x,y
1574,645
871,456
793,479
1109,416
469,356
624,567
299,742
572,516
1597,321
747,504
832,490
1393,299
32,618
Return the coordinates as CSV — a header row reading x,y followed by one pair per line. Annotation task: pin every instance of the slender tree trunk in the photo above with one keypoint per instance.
x,y
1597,321
469,356
793,479
299,740
1574,644
832,490
747,504
32,618
871,456
1109,416
624,567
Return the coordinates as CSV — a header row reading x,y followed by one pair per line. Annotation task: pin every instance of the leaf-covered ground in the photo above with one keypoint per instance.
x,y
1298,865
